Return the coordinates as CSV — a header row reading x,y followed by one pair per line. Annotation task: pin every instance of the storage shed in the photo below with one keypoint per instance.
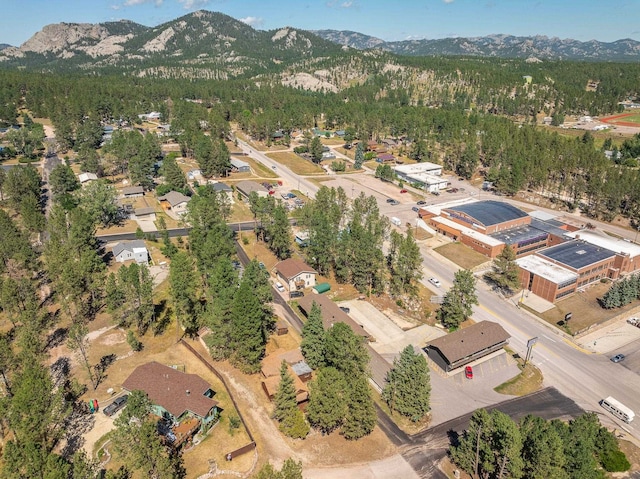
x,y
321,288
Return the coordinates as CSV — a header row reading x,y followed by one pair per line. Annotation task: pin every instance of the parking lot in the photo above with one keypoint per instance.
x,y
453,395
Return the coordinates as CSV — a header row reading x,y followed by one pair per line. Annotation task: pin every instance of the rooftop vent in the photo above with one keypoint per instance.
x,y
581,252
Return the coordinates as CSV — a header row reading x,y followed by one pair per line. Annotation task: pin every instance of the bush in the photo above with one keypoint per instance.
x,y
298,150
615,461
133,341
234,423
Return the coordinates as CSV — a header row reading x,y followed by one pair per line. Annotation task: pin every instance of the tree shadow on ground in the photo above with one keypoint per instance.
x,y
56,338
163,317
102,366
454,437
79,422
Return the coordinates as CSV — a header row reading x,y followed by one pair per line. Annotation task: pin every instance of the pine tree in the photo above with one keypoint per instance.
x,y
459,300
280,233
285,397
315,149
327,407
248,337
173,175
361,414
359,156
345,351
505,270
223,285
313,335
408,387
183,291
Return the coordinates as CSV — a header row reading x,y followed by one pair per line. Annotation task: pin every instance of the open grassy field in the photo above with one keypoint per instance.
x,y
461,255
296,164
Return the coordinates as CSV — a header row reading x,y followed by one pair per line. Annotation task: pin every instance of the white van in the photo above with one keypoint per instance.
x,y
279,287
396,221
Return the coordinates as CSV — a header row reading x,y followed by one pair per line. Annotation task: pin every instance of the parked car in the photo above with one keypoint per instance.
x,y
415,208
274,167
436,193
435,282
279,286
421,203
393,202
468,372
390,200
262,266
296,294
272,192
403,190
345,309
617,358
116,405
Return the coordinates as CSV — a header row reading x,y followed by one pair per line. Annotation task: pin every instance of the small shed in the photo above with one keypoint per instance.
x,y
321,288
281,327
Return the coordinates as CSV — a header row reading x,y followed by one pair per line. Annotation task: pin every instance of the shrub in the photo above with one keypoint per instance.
x,y
134,343
615,461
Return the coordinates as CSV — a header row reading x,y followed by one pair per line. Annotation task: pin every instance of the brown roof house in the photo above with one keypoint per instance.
x,y
298,368
296,274
176,396
466,345
331,313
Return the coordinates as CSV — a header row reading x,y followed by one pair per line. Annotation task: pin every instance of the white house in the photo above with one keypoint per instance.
x,y
154,115
131,250
296,274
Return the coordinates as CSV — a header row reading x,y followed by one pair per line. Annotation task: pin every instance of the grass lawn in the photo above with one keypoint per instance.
x,y
296,164
128,226
585,309
527,382
240,211
258,168
635,118
461,255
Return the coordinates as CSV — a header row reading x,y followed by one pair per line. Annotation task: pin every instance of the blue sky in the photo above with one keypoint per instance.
x,y
604,20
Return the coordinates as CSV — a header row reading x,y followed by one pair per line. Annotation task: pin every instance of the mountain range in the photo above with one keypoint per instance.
x,y
212,45
506,46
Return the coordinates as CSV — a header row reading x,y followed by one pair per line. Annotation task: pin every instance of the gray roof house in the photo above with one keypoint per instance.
x,y
177,202
246,187
131,250
133,191
239,165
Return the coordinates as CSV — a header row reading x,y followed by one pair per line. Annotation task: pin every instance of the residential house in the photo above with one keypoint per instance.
x,y
87,177
133,192
298,369
219,187
245,188
154,115
239,166
296,274
131,250
148,213
176,202
177,397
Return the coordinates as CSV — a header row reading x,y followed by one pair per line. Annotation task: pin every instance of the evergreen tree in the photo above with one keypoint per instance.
x,y
405,263
408,387
345,351
542,450
286,410
359,156
280,233
505,270
315,149
327,406
313,335
63,180
223,285
183,284
248,338
284,400
361,414
458,302
173,176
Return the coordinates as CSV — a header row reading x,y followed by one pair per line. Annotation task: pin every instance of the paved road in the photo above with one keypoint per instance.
x,y
426,449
